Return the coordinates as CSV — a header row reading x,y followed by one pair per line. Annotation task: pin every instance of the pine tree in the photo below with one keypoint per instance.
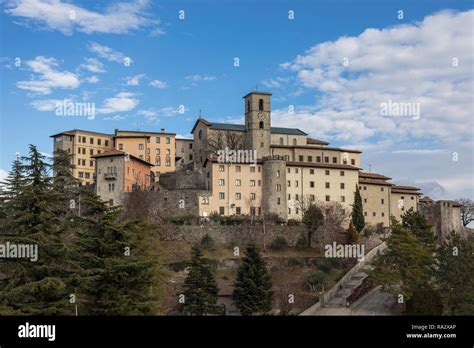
x,y
455,275
352,235
33,288
417,224
253,285
358,211
405,265
117,270
200,287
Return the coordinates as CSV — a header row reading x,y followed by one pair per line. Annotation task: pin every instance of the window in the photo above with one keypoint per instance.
x,y
295,142
382,201
221,182
106,143
278,173
312,198
278,187
297,211
158,140
252,196
260,183
296,183
365,213
158,161
221,168
83,162
381,189
289,196
297,197
79,150
289,170
334,160
310,158
262,144
281,141
78,161
383,214
326,159
318,159
190,146
301,158
327,185
289,183
252,211
248,105
221,195
343,186
252,169
91,152
365,200
402,197
91,163
88,175
168,140
81,174
237,169
190,157
296,170
311,171
157,152
221,211
252,182
237,182
343,199
260,125
412,197
278,200
353,162
205,200
200,134
84,140
237,210
83,150
311,184
238,196
260,104
373,214
141,146
168,152
120,147
341,173
365,188
168,161
289,210
328,198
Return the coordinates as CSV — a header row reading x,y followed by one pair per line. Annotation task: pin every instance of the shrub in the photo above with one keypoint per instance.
x,y
183,219
425,302
326,265
315,280
293,222
302,242
214,216
279,243
207,242
368,231
295,262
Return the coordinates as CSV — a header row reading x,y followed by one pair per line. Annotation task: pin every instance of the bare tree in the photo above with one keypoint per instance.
x,y
219,140
467,211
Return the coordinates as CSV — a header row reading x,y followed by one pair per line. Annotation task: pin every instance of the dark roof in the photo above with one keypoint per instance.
x,y
316,141
132,136
406,188
114,153
74,131
454,203
373,176
374,182
241,128
184,139
322,165
257,92
316,148
409,190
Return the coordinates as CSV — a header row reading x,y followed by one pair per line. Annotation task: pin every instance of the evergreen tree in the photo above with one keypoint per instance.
x,y
425,301
417,224
253,285
455,275
200,287
33,288
405,265
358,211
313,218
117,271
352,235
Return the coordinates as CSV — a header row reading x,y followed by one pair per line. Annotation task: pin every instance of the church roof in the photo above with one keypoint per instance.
x,y
241,128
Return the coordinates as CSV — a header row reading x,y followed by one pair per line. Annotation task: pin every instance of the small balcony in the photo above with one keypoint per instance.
x,y
110,176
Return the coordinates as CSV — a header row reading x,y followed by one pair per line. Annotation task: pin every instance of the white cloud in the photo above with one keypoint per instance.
x,y
46,104
93,65
92,79
157,32
108,53
45,77
148,114
158,84
3,175
115,118
275,83
406,63
122,102
134,80
118,18
201,78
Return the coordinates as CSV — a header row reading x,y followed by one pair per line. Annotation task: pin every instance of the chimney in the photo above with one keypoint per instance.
x,y
162,129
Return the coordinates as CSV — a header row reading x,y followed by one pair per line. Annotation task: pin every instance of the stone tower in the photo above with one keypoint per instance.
x,y
274,186
257,122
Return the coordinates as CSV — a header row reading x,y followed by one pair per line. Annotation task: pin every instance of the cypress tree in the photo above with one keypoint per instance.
x,y
358,211
253,285
200,287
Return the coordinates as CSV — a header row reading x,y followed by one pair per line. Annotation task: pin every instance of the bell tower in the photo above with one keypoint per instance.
x,y
258,123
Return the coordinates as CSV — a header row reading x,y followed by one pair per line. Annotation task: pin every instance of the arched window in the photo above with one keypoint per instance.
x,y
260,125
294,142
248,105
260,104
200,134
281,141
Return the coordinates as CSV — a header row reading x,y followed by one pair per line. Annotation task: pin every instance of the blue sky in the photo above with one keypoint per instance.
x,y
190,62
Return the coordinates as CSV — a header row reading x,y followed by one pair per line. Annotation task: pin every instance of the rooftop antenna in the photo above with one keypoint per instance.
x,y
199,113
137,128
370,168
256,88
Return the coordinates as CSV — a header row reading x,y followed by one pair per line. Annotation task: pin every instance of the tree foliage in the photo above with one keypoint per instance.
x,y
313,218
358,211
